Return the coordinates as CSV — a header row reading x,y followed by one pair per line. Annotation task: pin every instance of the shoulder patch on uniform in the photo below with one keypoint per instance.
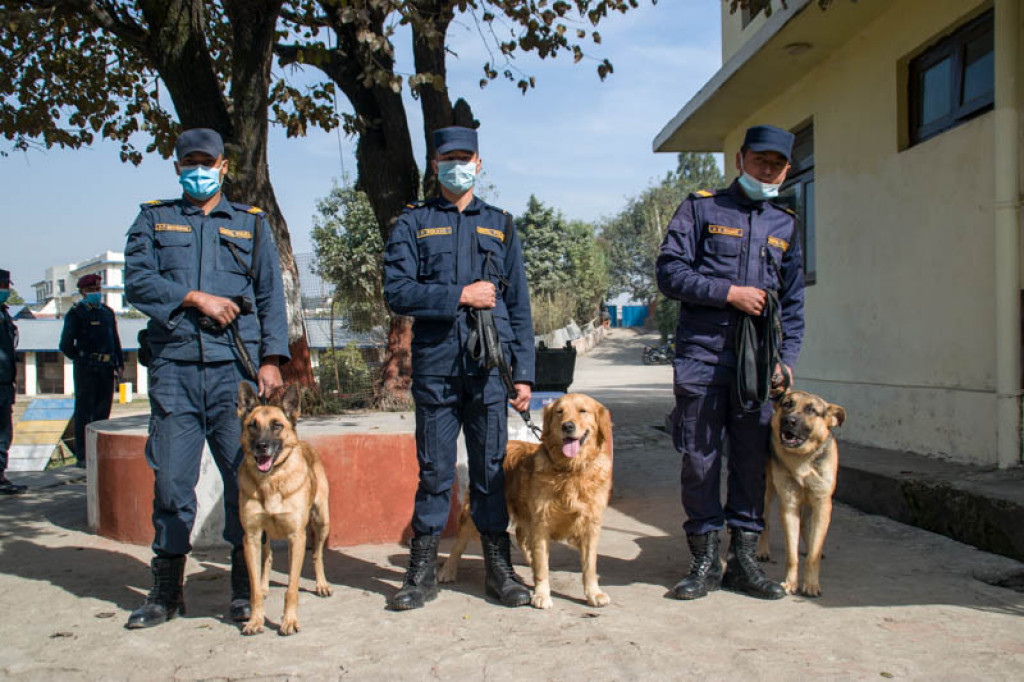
x,y
433,232
778,243
783,207
419,203
237,234
497,234
727,231
247,208
704,193
157,202
167,227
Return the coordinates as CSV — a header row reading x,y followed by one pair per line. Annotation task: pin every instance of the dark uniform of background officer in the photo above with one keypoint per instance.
x,y
8,383
91,341
445,258
718,258
186,259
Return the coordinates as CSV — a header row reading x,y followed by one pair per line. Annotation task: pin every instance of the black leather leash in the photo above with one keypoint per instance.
x,y
758,340
484,346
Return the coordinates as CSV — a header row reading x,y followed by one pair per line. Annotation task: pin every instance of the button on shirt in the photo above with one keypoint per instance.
x,y
174,248
719,239
434,251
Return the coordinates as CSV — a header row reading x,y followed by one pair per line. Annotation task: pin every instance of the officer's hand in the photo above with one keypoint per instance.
x,y
521,402
270,378
221,310
748,299
478,295
782,380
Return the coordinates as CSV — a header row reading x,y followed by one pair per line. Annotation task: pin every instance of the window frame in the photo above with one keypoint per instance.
x,y
952,46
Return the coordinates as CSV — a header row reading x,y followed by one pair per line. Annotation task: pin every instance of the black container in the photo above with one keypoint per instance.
x,y
555,367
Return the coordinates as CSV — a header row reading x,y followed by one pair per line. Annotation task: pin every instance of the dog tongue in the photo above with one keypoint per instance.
x,y
570,447
263,463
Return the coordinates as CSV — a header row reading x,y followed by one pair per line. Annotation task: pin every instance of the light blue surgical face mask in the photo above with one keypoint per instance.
x,y
456,176
4,295
200,182
93,298
757,190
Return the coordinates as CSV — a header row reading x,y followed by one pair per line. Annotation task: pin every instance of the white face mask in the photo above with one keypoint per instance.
x,y
457,176
757,190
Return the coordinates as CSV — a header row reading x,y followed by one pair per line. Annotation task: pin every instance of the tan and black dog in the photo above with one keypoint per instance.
x,y
281,487
556,490
802,470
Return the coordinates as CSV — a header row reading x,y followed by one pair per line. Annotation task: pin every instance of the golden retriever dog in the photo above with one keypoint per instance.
x,y
281,487
802,470
556,490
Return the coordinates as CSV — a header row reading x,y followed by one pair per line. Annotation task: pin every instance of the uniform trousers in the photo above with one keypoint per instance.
x,y
6,432
192,403
476,404
94,392
705,417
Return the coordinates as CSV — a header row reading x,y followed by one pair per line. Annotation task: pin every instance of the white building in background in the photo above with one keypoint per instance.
x,y
58,290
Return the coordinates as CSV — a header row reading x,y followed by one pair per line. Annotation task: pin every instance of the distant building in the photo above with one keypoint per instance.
x,y
58,291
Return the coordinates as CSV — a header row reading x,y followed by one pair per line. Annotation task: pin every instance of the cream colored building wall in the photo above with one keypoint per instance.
x,y
733,32
900,325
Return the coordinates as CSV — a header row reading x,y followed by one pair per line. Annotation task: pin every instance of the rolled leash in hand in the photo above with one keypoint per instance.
x,y
758,340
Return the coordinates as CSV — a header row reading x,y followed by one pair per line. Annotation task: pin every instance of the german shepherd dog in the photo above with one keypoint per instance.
x,y
556,490
281,487
802,467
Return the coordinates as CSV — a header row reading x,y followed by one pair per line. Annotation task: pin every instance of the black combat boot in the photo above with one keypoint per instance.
x,y
166,599
9,488
502,582
420,584
241,592
705,567
742,571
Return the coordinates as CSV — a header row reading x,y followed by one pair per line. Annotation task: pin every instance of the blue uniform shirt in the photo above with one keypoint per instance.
x,y
174,248
434,251
715,240
90,336
8,351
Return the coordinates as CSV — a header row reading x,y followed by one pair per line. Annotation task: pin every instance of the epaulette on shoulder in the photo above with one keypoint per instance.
x,y
157,202
783,207
703,193
248,209
419,203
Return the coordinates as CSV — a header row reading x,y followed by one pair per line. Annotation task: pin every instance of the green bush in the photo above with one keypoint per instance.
x,y
345,376
666,316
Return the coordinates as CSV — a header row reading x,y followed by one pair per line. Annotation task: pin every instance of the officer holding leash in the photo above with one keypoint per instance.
x,y
454,263
206,272
732,257
91,342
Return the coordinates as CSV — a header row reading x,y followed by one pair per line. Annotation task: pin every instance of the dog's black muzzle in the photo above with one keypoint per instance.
x,y
793,431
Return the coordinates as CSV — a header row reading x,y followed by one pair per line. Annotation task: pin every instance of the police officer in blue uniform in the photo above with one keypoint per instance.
x,y
8,383
723,251
91,341
203,269
446,258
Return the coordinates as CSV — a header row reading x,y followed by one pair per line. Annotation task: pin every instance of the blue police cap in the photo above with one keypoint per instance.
x,y
769,139
455,138
5,279
202,140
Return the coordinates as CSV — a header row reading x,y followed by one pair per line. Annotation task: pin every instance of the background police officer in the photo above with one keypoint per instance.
x,y
91,341
718,258
190,262
445,258
8,383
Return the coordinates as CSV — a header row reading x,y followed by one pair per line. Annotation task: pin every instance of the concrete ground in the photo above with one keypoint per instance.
x,y
898,602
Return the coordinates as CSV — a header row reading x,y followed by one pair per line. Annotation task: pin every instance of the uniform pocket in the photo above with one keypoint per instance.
x,y
174,250
721,256
234,255
436,260
702,333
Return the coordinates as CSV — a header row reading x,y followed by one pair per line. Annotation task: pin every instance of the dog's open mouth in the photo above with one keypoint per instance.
x,y
571,446
791,439
264,462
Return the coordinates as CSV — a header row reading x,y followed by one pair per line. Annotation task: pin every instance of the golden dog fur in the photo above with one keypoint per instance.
x,y
279,500
802,472
552,496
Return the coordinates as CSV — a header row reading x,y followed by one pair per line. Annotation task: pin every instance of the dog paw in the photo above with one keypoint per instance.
x,y
289,626
599,599
254,626
809,589
541,601
789,586
763,556
323,590
447,573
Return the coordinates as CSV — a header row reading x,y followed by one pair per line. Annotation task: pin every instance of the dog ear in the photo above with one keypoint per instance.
x,y
247,398
291,403
604,426
547,416
836,416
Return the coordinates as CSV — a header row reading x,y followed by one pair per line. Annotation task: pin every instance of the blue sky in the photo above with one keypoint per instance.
x,y
579,144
